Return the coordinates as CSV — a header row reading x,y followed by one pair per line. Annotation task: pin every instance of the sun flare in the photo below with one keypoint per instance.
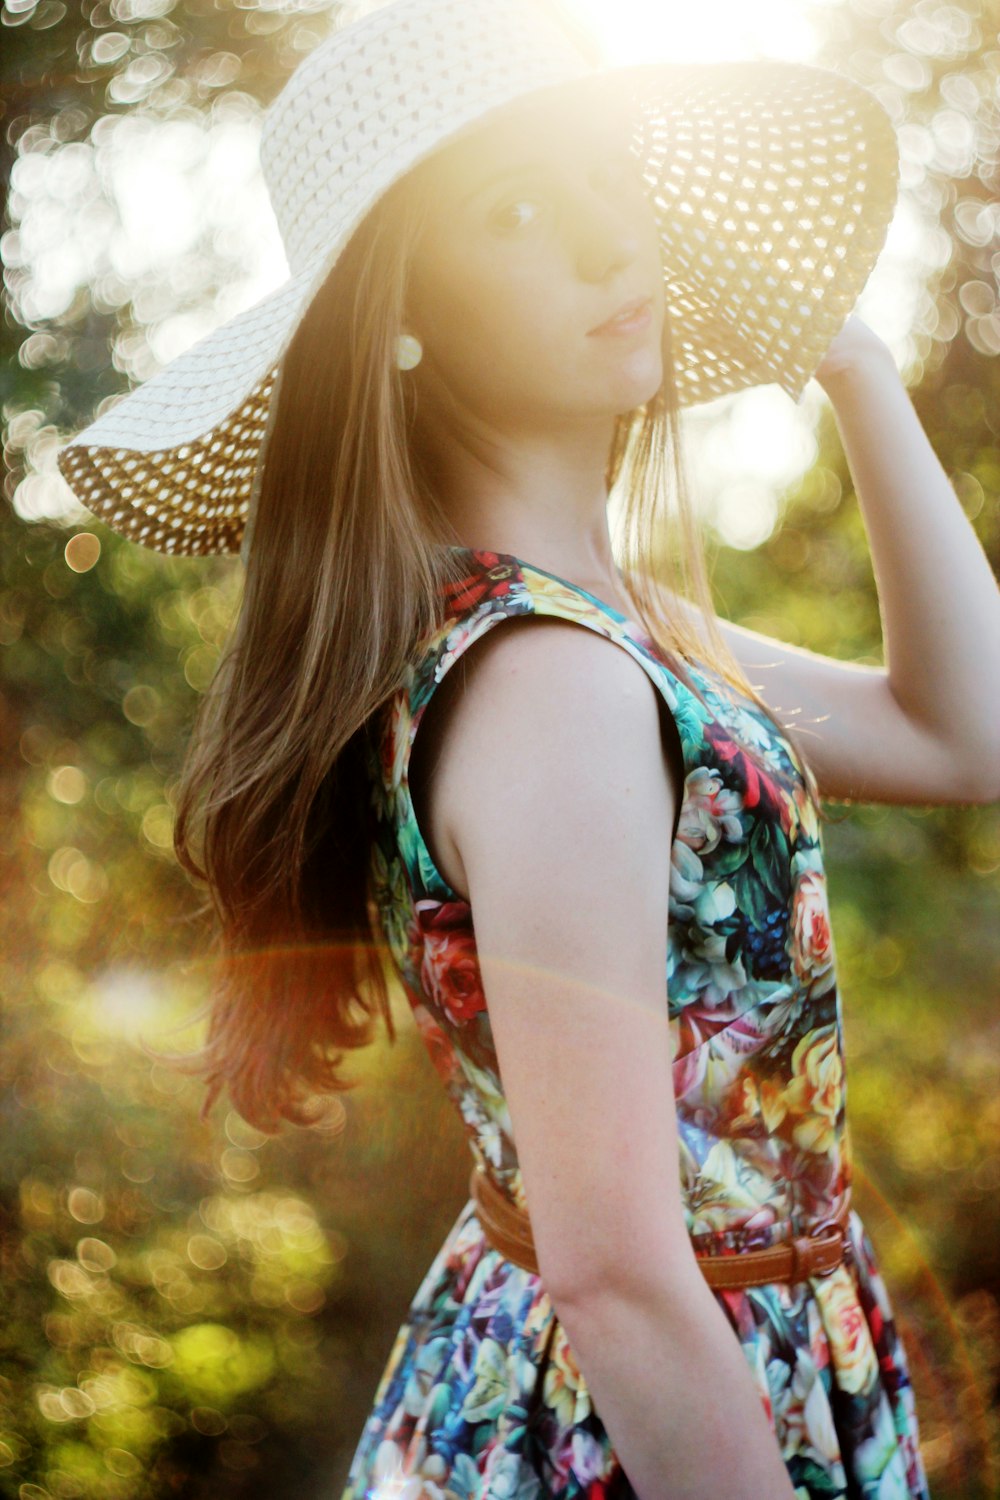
x,y
721,31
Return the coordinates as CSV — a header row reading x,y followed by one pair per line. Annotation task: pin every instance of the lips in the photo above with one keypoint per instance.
x,y
629,314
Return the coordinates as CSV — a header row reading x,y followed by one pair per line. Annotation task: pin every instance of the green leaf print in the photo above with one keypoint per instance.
x,y
751,894
727,859
689,715
769,851
438,1405
488,1396
814,1481
423,1376
771,1312
465,1476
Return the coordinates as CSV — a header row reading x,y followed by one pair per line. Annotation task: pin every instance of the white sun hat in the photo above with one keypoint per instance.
x,y
774,184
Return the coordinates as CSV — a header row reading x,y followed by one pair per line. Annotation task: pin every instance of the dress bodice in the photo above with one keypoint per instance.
x,y
750,988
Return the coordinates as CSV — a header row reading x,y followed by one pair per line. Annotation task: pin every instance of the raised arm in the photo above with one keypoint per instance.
x,y
925,728
553,785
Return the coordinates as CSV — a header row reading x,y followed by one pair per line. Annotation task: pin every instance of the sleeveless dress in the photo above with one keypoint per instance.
x,y
482,1397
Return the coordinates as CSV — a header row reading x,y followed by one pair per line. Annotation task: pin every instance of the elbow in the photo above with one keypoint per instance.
x,y
581,1284
993,793
986,775
618,1254
981,794
993,777
595,1306
982,784
972,771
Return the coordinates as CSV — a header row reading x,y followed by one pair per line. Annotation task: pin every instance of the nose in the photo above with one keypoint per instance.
x,y
605,235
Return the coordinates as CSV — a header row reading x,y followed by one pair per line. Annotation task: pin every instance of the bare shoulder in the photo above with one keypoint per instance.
x,y
539,718
546,706
549,666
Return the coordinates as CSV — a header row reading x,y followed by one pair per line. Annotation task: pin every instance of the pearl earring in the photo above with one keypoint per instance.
x,y
409,351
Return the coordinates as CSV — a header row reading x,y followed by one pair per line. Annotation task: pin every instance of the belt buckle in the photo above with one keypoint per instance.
x,y
826,1232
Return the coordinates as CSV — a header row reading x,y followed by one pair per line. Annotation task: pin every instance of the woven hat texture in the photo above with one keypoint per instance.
x,y
774,184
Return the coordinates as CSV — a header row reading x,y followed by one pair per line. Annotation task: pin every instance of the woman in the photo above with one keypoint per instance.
x,y
509,272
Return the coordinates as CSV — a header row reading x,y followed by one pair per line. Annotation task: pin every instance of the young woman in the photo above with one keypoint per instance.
x,y
592,854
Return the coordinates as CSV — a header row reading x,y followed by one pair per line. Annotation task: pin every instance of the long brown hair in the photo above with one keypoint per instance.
x,y
344,575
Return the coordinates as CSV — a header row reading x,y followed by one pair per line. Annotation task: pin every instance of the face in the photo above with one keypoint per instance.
x,y
538,231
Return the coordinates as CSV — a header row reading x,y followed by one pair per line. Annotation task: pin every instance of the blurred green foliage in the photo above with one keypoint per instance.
x,y
197,1309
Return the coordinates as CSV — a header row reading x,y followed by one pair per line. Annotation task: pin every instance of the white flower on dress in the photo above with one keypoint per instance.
x,y
588,1457
394,1482
687,874
820,1430
715,903
491,1142
508,1477
711,812
716,977
802,1414
744,724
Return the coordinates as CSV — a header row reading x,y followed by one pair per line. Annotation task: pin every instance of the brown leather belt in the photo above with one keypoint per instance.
x,y
815,1254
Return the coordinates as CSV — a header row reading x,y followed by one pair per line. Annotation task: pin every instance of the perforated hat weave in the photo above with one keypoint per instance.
x,y
774,184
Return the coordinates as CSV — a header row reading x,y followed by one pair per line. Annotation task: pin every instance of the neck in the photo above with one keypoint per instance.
x,y
539,496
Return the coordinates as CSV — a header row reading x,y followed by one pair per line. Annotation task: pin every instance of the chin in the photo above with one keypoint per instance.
x,y
638,391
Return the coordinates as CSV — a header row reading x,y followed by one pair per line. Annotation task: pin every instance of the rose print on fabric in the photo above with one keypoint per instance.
x,y
812,940
450,968
852,1352
482,1396
814,1096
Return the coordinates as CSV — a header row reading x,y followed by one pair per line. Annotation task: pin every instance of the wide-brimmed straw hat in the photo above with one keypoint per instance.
x,y
773,182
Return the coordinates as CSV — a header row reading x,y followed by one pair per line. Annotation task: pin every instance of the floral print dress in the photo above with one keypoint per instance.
x,y
482,1397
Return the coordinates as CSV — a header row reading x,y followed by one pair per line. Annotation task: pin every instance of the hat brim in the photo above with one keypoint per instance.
x,y
774,185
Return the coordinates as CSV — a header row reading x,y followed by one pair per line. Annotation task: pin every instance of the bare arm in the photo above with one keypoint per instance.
x,y
556,791
925,728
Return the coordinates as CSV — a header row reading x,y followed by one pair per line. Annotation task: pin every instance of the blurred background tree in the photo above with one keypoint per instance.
x,y
196,1309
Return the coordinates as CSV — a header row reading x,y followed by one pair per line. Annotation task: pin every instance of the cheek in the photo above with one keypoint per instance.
x,y
482,323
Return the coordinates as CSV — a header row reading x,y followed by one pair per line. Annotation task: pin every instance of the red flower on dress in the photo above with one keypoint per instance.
x,y
494,580
439,1048
450,968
